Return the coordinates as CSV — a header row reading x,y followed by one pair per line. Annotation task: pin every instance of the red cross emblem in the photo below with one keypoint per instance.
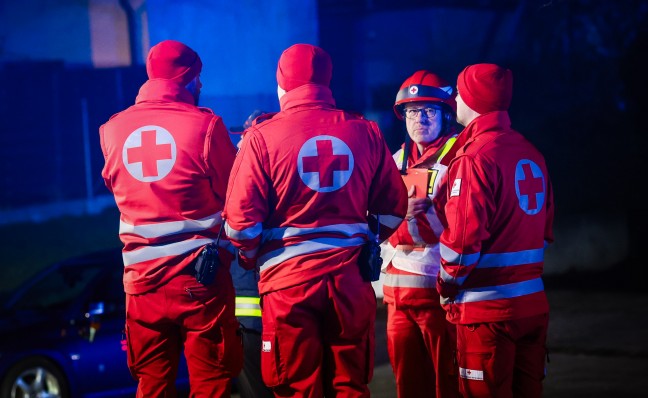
x,y
413,90
529,186
325,163
149,153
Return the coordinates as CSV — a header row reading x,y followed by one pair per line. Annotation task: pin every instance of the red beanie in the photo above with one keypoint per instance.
x,y
302,64
173,60
486,87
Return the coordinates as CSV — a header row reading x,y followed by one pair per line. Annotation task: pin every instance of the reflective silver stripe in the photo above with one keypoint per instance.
x,y
248,306
344,229
282,254
250,253
227,245
500,292
434,221
390,221
160,229
449,278
153,252
413,230
247,233
420,281
493,260
455,258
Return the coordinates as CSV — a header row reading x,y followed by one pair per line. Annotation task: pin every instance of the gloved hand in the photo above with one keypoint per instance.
x,y
445,289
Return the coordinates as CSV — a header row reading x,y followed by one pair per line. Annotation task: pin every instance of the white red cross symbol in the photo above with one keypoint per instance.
x,y
413,90
325,163
529,186
149,153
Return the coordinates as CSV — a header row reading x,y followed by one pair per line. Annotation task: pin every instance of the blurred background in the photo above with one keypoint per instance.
x,y
579,95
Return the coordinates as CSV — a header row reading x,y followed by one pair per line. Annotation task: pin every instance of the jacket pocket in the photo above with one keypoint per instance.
x,y
199,292
130,358
272,369
230,351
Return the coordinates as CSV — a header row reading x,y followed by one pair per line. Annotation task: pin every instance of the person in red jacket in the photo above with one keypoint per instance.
x,y
310,185
498,212
421,343
167,162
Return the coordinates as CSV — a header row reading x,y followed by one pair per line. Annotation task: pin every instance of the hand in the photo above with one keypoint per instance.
x,y
416,206
445,289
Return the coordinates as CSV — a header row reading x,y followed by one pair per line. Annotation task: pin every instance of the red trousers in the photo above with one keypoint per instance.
x,y
503,359
318,337
421,344
184,313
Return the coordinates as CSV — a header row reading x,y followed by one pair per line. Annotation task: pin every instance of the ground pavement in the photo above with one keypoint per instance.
x,y
598,342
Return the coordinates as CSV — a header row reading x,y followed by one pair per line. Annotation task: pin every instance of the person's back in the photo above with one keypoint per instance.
x,y
167,163
169,196
297,207
320,191
498,211
512,241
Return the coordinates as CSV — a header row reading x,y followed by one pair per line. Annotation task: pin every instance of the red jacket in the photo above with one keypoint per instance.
x,y
301,187
411,255
167,163
498,206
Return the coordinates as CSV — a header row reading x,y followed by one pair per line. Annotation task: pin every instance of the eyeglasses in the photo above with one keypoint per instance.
x,y
413,113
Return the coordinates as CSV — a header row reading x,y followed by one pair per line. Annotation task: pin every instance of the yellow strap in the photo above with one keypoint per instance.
x,y
247,312
247,306
444,151
247,300
446,148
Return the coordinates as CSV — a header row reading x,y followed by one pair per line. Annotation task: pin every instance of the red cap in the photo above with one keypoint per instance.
x,y
486,87
302,64
173,60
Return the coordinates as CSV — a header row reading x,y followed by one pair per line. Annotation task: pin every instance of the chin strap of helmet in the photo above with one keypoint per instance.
x,y
407,148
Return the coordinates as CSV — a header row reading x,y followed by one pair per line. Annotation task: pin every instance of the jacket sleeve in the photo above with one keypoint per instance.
x,y
105,174
246,207
219,154
387,193
469,204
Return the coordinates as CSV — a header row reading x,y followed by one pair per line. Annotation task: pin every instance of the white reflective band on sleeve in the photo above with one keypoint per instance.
x,y
455,258
500,292
390,221
410,281
250,253
345,229
157,230
247,233
450,279
154,252
511,259
310,246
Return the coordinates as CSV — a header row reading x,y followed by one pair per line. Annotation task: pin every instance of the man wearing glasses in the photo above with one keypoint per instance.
x,y
420,341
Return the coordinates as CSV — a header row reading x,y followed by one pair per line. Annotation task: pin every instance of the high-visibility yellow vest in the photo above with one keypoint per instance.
x,y
247,306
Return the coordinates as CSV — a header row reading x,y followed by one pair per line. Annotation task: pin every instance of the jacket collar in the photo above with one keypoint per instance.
x,y
492,121
308,94
163,90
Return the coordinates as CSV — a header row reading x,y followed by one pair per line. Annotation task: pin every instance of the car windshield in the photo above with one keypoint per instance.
x,y
56,288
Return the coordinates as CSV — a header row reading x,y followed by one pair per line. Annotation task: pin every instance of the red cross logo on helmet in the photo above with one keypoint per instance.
x,y
413,90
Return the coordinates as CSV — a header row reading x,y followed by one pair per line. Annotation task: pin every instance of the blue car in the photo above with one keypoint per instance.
x,y
61,333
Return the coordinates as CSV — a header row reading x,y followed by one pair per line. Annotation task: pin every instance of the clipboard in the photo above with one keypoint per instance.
x,y
421,179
